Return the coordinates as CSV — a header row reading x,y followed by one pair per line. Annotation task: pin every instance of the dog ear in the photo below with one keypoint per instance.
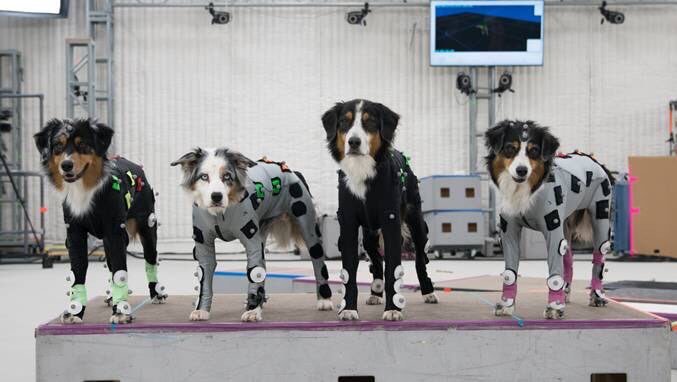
x,y
494,137
549,145
189,159
242,164
330,120
42,137
104,137
389,120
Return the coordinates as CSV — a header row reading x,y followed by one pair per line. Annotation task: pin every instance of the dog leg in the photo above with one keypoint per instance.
x,y
122,310
568,273
147,229
75,310
557,248
419,232
199,315
394,272
254,306
511,232
115,242
347,308
600,225
205,254
370,243
76,243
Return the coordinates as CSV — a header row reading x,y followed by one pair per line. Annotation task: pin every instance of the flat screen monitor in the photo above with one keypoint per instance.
x,y
486,33
34,8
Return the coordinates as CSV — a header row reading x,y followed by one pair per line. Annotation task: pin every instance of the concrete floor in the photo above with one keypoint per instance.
x,y
38,295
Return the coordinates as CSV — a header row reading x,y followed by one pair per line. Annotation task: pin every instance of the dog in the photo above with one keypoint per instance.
x,y
237,198
565,197
110,199
379,192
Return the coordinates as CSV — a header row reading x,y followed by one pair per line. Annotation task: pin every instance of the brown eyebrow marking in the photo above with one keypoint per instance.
x,y
349,115
78,140
62,139
365,116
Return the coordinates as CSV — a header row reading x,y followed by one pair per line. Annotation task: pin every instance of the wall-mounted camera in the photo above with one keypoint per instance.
x,y
218,17
358,17
613,17
504,84
5,124
464,84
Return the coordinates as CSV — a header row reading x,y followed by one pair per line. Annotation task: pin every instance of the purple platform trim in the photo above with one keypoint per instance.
x,y
311,280
667,316
414,325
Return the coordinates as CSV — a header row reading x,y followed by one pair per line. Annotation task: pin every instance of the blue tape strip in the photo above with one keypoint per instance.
x,y
268,275
520,321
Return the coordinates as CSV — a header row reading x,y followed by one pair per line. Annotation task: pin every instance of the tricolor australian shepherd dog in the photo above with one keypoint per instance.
x,y
565,197
379,192
237,198
110,199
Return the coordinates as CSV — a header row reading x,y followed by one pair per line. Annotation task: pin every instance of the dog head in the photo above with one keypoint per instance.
x,y
359,127
73,151
214,177
523,150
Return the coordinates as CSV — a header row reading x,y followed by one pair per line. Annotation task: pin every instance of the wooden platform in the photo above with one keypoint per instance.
x,y
456,340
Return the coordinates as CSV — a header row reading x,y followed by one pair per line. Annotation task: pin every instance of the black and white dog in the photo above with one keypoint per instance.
x,y
110,199
564,197
237,198
378,191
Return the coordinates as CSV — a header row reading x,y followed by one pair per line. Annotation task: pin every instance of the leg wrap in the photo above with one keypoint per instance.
x,y
597,270
256,300
151,272
78,300
119,287
509,286
556,290
568,262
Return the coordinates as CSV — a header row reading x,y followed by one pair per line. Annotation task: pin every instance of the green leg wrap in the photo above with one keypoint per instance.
x,y
79,294
151,272
120,292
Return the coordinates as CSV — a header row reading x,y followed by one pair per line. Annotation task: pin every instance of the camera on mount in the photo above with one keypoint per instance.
x,y
358,17
218,17
5,124
504,84
464,84
614,17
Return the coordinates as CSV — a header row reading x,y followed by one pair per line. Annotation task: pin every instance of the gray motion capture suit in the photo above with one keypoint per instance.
x,y
271,190
576,182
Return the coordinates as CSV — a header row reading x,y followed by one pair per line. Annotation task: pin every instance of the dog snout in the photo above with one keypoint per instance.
x,y
217,197
354,142
522,171
67,165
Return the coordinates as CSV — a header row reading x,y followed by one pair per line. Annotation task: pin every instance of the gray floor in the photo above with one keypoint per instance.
x,y
38,295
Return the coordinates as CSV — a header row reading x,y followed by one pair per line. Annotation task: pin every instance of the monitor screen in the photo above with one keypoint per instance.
x,y
34,8
486,33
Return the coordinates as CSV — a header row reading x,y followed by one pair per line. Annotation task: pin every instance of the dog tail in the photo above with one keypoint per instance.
x,y
579,226
284,231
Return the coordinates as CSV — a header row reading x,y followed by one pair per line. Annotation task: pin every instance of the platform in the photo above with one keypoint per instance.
x,y
456,340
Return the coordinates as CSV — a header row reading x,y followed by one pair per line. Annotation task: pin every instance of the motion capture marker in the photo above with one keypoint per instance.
x,y
256,274
152,220
398,285
575,184
123,225
377,286
504,224
299,208
602,209
552,220
277,185
559,198
255,201
324,272
344,276
324,291
606,190
399,272
555,282
316,251
341,306
563,246
197,235
160,289
588,178
551,178
109,294
120,278
260,193
509,277
74,307
295,190
249,229
70,278
605,248
123,307
198,273
341,290
399,301
196,288
391,216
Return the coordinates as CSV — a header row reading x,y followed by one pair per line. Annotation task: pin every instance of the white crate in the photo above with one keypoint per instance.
x,y
455,229
451,192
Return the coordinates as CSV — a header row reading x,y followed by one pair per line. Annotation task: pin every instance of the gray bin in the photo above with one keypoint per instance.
x,y
450,192
459,229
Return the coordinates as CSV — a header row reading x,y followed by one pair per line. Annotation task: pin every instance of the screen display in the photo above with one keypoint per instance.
x,y
34,7
486,33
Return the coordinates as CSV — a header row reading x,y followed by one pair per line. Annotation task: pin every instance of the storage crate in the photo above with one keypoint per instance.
x,y
455,229
450,192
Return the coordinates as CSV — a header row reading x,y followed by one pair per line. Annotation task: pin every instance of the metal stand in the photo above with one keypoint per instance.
x,y
671,129
80,77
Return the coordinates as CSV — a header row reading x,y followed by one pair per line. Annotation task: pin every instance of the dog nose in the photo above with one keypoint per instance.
x,y
522,170
354,142
67,165
217,197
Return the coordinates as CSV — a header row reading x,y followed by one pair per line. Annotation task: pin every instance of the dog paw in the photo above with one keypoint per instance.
x,y
108,301
553,313
120,318
253,315
597,299
325,304
374,300
348,315
393,315
430,298
67,318
567,293
199,315
159,300
501,309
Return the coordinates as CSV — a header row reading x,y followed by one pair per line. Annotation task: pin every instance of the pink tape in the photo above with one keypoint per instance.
x,y
556,296
597,257
568,266
595,283
510,291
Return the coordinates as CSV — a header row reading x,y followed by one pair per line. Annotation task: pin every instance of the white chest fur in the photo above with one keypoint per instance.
x,y
78,198
517,198
358,169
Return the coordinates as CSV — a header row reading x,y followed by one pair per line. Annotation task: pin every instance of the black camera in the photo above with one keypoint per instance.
x,y
613,17
218,17
358,17
464,84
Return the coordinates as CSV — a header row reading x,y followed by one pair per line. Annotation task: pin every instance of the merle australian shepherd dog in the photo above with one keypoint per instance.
x,y
110,199
565,197
379,192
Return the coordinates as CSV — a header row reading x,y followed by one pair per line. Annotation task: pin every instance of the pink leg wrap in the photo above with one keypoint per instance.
x,y
597,268
556,296
568,266
510,291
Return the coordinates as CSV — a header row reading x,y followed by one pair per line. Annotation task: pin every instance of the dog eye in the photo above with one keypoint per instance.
x,y
227,177
509,151
204,177
58,148
534,152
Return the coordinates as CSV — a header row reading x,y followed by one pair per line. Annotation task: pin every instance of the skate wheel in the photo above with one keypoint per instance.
x,y
74,307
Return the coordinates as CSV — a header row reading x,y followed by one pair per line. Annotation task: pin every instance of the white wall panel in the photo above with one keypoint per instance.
x,y
260,84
